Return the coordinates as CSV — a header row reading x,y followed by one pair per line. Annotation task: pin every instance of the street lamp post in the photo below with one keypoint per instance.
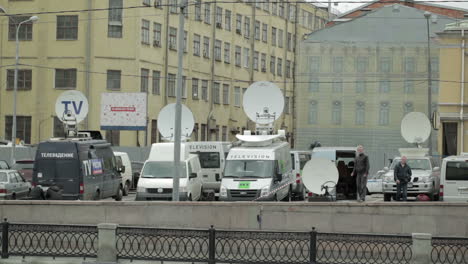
x,y
15,88
427,15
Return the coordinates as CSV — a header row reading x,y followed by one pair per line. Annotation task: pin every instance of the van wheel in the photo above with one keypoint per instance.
x,y
126,189
97,195
436,197
118,196
387,197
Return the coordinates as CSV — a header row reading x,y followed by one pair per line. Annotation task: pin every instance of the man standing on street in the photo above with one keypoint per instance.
x,y
402,175
361,171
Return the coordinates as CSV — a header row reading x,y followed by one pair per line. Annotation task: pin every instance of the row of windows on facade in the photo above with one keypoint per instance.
x,y
383,86
360,112
361,64
67,28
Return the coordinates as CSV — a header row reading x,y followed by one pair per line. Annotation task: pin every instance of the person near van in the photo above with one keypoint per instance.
x,y
361,171
402,175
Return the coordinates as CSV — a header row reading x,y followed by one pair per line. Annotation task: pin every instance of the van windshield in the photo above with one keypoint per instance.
x,y
414,164
162,169
249,168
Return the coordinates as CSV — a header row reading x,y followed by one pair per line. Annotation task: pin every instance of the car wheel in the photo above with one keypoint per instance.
x,y
387,197
118,196
126,189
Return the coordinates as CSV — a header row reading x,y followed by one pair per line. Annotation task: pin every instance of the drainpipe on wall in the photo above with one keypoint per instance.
x,y
462,91
166,55
212,73
88,62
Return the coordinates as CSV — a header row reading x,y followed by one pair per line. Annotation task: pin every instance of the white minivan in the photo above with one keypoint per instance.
x,y
454,179
123,160
156,178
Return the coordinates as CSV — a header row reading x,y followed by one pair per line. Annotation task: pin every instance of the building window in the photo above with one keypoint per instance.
x,y
156,82
226,94
274,7
314,64
58,128
280,38
67,27
434,64
265,33
114,27
237,96
224,133
314,85
281,8
280,67
266,6
208,13
216,88
203,132
172,38
65,78
410,65
171,85
273,36
360,113
113,137
147,2
408,107
287,105
384,86
238,56
227,20
23,128
113,79
219,17
195,132
198,10
206,47
247,27
156,35
385,64
289,42
24,79
362,64
196,45
145,32
273,64
263,62
255,60
409,86
336,113
360,86
337,64
313,112
337,86
384,114
158,4
205,90
25,31
239,24
184,86
194,89
154,131
144,80
246,57
227,52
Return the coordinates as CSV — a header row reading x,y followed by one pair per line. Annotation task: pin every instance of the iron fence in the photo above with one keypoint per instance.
x,y
449,250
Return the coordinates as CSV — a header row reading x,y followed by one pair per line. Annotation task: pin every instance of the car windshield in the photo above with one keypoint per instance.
x,y
249,168
3,177
414,164
162,169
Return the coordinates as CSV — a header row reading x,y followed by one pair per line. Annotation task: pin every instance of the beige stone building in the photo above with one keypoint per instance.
x,y
453,96
131,46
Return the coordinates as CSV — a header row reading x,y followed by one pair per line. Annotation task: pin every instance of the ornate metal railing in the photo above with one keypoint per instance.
x,y
449,250
363,248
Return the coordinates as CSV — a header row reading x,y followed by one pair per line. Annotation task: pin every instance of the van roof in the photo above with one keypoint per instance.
x,y
76,140
274,146
335,148
461,157
165,151
301,151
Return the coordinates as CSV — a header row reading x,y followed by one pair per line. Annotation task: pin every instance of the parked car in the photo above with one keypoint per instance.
x,y
25,168
4,165
136,171
374,183
13,186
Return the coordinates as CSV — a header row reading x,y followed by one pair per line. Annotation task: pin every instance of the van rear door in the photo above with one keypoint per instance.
x,y
456,181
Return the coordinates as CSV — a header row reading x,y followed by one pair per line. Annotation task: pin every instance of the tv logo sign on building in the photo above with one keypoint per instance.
x,y
123,111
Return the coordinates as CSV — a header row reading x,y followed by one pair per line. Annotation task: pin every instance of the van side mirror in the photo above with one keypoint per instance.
x,y
193,175
121,169
278,177
436,169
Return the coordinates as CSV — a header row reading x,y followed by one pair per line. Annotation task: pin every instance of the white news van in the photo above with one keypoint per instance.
x,y
212,156
454,179
257,169
156,179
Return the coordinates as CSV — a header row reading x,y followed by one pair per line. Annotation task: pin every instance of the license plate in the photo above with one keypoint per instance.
x,y
244,185
410,184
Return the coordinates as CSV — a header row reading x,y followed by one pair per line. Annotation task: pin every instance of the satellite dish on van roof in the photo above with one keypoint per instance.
x,y
263,102
71,105
166,122
317,172
415,127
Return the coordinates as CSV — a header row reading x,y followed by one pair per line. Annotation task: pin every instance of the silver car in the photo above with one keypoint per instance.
x,y
13,185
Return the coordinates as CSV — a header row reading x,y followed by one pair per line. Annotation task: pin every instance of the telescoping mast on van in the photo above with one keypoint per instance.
x,y
259,166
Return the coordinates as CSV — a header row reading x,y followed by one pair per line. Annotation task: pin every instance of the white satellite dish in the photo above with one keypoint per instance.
x,y
317,172
415,127
166,122
72,104
263,102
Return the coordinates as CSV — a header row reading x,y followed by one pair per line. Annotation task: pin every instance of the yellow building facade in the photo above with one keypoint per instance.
x,y
453,97
131,46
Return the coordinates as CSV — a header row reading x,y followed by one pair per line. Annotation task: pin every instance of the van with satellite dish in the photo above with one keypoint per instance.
x,y
454,179
156,178
298,160
259,168
343,157
79,169
212,156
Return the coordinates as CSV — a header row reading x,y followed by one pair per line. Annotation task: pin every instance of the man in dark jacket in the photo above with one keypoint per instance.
x,y
402,175
361,171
